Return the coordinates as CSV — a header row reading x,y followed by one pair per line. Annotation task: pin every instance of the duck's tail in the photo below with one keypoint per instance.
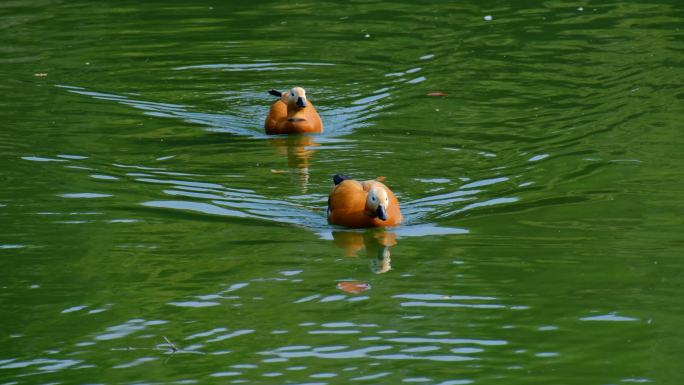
x,y
275,93
338,178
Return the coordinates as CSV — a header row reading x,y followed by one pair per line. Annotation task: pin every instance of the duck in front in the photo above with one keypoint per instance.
x,y
293,113
362,204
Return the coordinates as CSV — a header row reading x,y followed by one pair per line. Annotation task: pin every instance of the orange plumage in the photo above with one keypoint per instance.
x,y
362,204
292,114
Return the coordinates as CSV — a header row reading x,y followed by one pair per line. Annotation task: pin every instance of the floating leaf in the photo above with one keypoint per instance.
x,y
353,287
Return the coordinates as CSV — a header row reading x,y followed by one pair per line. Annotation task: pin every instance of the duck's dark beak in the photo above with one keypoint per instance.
x,y
381,213
300,102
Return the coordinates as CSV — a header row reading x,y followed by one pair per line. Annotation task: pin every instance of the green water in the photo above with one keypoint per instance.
x,y
141,202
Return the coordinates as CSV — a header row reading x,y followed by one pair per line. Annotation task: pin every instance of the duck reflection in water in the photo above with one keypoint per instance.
x,y
377,243
298,149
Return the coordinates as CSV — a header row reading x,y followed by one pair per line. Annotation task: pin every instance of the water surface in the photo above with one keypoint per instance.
x,y
151,233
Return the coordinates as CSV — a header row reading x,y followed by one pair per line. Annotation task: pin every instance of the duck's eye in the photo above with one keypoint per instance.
x,y
292,94
373,199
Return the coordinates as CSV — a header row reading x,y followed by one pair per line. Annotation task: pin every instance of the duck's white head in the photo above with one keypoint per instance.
x,y
377,203
297,97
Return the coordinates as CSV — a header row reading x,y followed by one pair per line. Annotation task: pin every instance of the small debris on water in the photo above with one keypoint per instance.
x,y
40,74
580,9
437,93
367,35
353,287
274,171
488,18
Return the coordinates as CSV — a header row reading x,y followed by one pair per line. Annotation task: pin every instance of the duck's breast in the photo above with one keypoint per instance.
x,y
305,120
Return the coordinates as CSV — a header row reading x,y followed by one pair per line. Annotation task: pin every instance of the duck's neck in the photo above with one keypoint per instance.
x,y
294,110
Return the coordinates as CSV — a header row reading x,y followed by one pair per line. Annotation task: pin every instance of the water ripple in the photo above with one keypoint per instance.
x,y
263,66
127,328
609,318
448,341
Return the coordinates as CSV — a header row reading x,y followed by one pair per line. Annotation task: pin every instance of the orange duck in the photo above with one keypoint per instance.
x,y
362,204
292,114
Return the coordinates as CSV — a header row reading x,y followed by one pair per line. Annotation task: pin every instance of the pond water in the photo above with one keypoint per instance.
x,y
150,233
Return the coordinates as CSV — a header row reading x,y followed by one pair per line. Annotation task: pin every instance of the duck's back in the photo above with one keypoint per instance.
x,y
277,114
346,205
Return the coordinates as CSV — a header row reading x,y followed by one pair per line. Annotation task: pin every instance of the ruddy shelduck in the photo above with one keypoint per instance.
x,y
362,204
293,113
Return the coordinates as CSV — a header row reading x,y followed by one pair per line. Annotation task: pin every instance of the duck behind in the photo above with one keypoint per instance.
x,y
362,204
292,114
